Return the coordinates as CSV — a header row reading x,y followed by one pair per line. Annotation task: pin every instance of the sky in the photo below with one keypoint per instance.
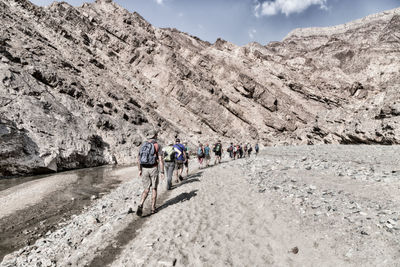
x,y
245,21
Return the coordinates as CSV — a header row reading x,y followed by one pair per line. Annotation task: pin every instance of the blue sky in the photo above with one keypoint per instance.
x,y
244,21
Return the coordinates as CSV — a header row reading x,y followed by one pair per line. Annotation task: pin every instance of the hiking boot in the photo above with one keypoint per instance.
x,y
139,210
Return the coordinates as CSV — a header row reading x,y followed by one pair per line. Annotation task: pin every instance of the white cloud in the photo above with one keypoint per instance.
x,y
287,7
252,33
257,7
160,2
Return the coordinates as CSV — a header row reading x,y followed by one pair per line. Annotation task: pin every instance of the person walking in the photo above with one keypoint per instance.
x,y
169,163
180,159
186,164
234,151
218,152
200,154
256,148
244,150
207,154
230,150
240,151
249,149
150,162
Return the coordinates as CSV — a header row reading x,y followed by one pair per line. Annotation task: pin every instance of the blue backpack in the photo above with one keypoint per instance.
x,y
181,148
147,154
200,152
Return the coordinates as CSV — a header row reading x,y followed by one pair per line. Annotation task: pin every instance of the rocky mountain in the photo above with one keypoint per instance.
x,y
81,85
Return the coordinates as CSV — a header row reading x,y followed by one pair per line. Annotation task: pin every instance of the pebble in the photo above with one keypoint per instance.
x,y
388,225
364,233
349,253
295,250
312,187
167,262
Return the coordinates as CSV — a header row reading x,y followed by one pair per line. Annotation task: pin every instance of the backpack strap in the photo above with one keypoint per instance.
x,y
156,147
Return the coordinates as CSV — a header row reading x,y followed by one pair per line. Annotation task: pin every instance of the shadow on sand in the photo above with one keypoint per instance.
x,y
111,252
180,198
190,179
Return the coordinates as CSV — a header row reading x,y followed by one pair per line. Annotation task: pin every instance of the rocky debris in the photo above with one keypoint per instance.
x,y
81,84
350,190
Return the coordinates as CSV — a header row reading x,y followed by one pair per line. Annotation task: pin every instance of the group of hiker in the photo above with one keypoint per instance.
x,y
241,151
204,153
174,158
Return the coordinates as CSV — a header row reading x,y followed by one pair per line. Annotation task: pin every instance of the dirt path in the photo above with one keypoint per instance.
x,y
219,220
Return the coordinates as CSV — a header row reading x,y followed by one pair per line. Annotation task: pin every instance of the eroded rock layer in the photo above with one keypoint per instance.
x,y
80,85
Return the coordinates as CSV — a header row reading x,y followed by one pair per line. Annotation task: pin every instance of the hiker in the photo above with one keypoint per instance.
x,y
230,150
240,151
180,159
245,150
207,154
249,149
218,152
200,154
169,163
148,161
186,164
234,152
257,148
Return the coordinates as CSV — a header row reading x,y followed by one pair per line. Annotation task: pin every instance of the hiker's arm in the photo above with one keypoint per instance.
x,y
161,161
139,166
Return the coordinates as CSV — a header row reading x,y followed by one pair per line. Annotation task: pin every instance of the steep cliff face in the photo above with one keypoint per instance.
x,y
79,85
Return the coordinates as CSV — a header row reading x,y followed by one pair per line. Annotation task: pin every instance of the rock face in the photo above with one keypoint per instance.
x,y
80,85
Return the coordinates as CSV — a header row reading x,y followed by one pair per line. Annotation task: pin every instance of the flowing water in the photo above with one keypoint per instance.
x,y
31,206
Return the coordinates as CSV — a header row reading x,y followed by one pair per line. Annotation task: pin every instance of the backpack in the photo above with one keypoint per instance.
x,y
148,154
217,148
181,148
169,154
257,148
200,152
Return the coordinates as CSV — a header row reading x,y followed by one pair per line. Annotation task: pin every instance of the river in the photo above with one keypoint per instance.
x,y
32,206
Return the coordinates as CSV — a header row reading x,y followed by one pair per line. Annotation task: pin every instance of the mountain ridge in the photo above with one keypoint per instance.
x,y
82,85
341,28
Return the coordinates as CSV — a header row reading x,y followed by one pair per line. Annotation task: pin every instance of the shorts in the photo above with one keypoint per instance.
x,y
208,156
218,154
179,164
150,178
186,164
